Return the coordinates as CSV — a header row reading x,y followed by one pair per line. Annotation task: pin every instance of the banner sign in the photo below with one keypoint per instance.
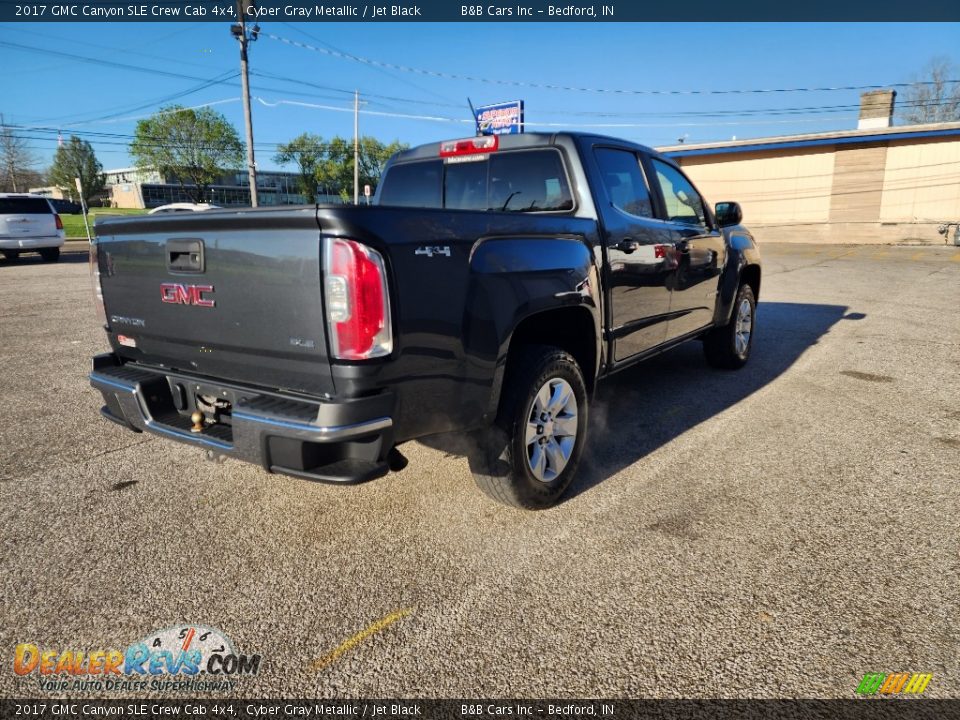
x,y
501,119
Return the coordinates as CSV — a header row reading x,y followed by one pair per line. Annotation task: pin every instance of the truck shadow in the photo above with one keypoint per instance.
x,y
645,407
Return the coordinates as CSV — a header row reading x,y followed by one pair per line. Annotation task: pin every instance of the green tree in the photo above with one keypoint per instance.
x,y
193,146
335,172
934,96
307,152
373,159
76,159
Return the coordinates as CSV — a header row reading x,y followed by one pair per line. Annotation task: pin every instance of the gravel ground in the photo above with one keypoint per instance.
x,y
775,532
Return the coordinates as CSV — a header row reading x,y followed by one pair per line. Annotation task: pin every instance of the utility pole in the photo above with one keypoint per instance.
x,y
356,147
239,31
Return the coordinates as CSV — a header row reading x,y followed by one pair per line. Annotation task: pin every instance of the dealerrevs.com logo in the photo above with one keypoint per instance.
x,y
190,658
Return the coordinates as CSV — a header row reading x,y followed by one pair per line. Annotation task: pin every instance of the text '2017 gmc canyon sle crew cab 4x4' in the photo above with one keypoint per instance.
x,y
493,282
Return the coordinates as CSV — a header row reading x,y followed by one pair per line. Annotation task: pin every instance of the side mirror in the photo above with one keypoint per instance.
x,y
729,213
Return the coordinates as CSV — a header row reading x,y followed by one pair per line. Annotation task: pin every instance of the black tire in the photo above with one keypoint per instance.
x,y
721,345
500,457
50,254
11,255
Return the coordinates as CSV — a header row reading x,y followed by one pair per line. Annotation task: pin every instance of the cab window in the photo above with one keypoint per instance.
x,y
682,202
624,182
517,181
413,185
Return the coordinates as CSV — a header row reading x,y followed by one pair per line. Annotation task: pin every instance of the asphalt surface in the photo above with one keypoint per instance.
x,y
773,532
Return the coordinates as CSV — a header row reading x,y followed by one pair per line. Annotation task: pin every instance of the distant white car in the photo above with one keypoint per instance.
x,y
183,207
28,223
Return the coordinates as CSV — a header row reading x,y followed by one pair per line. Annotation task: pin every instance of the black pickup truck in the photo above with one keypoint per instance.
x,y
489,287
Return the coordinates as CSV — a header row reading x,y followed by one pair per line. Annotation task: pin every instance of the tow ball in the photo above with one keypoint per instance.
x,y
197,419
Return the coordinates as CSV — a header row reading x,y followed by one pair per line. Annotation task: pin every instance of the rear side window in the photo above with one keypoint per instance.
x,y
413,185
624,181
24,206
520,181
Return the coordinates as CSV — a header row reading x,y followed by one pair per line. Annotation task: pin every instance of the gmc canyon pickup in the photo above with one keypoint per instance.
x,y
494,281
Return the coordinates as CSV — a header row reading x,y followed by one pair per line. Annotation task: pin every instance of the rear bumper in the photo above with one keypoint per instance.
x,y
30,243
331,442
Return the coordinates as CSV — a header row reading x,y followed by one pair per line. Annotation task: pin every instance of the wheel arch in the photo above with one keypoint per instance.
x,y
571,328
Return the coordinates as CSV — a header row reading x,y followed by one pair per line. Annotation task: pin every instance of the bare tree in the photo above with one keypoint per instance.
x,y
934,96
15,160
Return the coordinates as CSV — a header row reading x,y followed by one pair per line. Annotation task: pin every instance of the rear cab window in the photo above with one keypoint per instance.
x,y
503,181
24,206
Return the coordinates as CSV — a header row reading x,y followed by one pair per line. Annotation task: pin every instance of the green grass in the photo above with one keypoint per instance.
x,y
73,224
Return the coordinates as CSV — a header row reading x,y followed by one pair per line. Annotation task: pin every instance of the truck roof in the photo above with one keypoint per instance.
x,y
513,142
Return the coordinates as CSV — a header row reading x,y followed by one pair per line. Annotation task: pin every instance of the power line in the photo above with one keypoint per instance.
x,y
534,123
227,78
812,109
385,72
570,88
100,61
126,51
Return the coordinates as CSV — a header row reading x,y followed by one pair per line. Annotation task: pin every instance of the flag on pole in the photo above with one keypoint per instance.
x,y
59,139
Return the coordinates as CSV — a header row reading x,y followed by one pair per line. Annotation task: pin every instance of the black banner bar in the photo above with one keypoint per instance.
x,y
496,11
558,709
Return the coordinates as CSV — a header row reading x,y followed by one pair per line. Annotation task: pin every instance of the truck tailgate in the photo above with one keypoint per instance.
x,y
235,296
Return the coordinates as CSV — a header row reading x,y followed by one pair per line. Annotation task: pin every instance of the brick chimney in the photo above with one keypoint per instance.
x,y
876,109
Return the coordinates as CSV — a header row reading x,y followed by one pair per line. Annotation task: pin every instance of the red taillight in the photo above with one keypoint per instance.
x,y
56,219
357,303
470,146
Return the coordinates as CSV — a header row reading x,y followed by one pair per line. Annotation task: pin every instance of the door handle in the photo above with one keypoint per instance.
x,y
185,256
627,246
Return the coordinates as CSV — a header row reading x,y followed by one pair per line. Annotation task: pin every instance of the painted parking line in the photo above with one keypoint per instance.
x,y
956,257
352,642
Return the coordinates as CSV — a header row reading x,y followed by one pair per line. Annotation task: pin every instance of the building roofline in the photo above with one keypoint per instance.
x,y
836,137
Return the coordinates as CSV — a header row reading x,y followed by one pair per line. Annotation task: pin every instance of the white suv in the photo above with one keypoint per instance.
x,y
28,223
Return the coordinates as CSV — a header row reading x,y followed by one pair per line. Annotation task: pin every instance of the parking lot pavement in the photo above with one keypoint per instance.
x,y
777,531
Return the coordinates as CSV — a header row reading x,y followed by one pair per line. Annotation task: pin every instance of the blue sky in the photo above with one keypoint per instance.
x,y
98,101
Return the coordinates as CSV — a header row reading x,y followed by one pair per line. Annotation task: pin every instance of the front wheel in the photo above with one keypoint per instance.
x,y
529,457
729,346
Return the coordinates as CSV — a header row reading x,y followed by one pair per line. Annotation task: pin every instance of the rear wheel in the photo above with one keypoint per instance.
x,y
529,457
11,255
728,347
50,254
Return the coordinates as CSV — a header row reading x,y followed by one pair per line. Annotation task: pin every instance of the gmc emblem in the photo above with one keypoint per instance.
x,y
177,294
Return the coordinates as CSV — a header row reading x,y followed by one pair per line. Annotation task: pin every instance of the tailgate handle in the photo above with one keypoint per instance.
x,y
185,256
